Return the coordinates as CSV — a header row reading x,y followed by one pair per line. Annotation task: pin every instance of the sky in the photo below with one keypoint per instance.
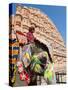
x,y
56,13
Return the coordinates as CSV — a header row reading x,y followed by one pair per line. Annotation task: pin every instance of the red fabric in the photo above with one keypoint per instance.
x,y
18,32
22,37
20,66
26,76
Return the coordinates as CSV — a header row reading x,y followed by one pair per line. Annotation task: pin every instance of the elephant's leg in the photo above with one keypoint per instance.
x,y
54,78
53,81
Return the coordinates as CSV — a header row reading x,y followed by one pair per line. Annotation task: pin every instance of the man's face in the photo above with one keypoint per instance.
x,y
33,31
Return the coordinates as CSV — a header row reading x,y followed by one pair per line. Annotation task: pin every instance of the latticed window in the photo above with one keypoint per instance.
x,y
60,77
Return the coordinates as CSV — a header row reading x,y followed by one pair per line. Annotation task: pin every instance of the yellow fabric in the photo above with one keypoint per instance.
x,y
37,68
13,52
12,61
14,44
26,55
48,73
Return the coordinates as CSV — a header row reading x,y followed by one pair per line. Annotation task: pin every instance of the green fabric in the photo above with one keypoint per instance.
x,y
37,68
35,64
35,59
48,72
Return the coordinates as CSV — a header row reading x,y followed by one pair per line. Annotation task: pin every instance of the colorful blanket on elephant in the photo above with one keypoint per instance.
x,y
26,55
23,74
35,64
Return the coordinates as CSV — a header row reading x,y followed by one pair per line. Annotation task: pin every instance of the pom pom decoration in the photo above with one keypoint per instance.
x,y
20,66
24,76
